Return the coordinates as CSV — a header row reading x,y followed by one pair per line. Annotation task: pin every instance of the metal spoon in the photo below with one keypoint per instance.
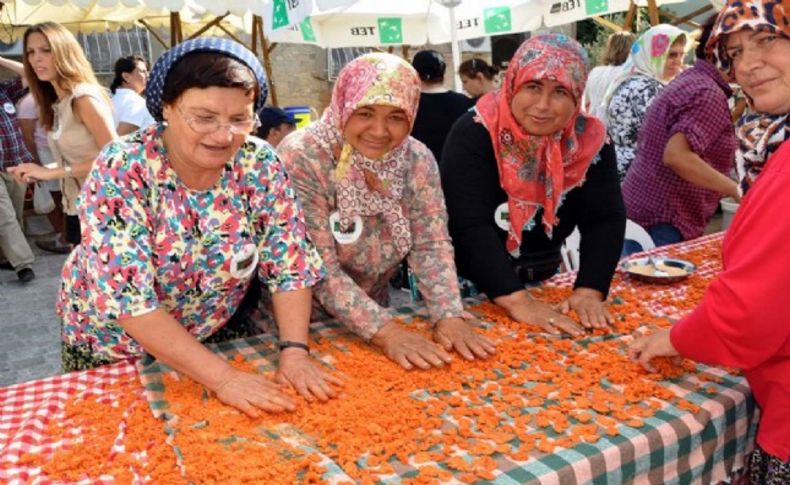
x,y
656,272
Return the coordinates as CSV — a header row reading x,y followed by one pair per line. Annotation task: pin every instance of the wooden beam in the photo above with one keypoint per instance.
x,y
272,46
685,19
154,33
607,23
628,24
652,11
267,61
229,33
209,25
254,35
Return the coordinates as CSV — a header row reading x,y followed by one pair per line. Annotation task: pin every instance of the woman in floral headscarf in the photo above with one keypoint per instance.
x,y
371,197
656,58
743,318
521,174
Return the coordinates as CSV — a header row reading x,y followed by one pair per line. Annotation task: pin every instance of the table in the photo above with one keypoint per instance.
x,y
537,423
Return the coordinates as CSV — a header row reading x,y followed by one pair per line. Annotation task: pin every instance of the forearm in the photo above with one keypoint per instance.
x,y
292,314
164,338
14,66
694,169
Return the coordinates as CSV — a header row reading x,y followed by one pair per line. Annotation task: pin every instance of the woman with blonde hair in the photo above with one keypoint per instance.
x,y
74,109
618,46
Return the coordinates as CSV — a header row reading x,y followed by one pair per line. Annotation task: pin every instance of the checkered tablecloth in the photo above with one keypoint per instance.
x,y
674,445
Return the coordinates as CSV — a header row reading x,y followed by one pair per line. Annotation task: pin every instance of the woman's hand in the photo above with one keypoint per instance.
x,y
31,172
522,308
249,392
643,349
409,349
456,333
299,371
589,305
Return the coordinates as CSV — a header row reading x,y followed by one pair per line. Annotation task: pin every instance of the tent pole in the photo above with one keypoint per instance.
x,y
209,25
628,25
686,18
607,23
267,61
153,32
455,50
652,10
254,35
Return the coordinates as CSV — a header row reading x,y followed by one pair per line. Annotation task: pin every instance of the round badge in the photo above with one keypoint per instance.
x,y
345,237
244,262
9,108
502,216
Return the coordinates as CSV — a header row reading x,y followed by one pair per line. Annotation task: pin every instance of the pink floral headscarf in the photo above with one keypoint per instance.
x,y
535,171
367,187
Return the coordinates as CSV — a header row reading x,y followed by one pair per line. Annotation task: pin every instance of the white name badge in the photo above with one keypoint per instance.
x,y
9,108
244,262
502,216
345,237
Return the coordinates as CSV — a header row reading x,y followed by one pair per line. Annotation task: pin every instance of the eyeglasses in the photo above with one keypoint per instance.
x,y
209,124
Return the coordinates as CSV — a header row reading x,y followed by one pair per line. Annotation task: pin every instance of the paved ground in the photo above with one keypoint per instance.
x,y
29,346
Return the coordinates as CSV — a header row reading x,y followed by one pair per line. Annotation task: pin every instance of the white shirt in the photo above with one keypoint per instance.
x,y
598,82
129,107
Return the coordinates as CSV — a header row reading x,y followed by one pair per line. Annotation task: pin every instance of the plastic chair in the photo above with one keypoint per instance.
x,y
633,232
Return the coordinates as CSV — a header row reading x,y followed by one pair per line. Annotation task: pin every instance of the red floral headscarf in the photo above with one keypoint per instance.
x,y
535,171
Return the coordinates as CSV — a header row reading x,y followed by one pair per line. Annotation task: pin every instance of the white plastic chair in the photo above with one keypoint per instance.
x,y
570,248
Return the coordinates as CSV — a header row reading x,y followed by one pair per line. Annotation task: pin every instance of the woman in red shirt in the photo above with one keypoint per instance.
x,y
743,321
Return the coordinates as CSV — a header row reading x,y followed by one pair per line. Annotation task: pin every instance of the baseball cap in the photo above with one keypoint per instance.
x,y
430,65
272,116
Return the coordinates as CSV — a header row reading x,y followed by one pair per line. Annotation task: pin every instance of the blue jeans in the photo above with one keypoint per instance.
x,y
662,235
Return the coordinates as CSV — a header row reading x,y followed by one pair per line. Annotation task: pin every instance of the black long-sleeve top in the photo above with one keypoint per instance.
x,y
470,179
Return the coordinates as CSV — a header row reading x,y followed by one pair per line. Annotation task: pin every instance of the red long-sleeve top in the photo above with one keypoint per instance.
x,y
744,318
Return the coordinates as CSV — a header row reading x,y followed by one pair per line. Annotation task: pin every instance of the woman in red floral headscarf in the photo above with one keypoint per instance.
x,y
521,173
744,320
372,197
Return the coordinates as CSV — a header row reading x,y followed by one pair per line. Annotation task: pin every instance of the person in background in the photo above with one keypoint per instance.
x,y
618,46
477,77
439,107
13,151
128,105
520,173
685,154
275,125
656,58
372,197
74,109
37,143
742,321
178,218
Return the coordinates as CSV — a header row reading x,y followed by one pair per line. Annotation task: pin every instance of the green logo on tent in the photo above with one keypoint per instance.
x,y
308,34
279,14
497,19
390,30
594,7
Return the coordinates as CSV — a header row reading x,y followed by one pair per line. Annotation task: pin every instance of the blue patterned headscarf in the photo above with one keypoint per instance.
x,y
158,76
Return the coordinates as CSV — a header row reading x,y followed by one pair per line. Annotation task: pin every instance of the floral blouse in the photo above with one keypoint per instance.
x,y
358,271
150,242
626,112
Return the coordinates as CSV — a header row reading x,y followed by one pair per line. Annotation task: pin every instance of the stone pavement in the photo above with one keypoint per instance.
x,y
30,330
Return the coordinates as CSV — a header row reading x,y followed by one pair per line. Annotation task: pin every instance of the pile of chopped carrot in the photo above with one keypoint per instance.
x,y
536,395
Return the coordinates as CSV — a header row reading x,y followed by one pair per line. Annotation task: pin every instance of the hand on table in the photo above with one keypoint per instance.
x,y
299,371
456,333
589,305
409,349
30,172
643,349
249,393
522,308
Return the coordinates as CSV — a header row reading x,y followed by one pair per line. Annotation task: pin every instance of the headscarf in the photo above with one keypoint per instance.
x,y
649,54
759,134
163,65
367,187
535,171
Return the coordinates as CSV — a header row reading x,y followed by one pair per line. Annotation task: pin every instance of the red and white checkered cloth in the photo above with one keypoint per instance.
x,y
27,408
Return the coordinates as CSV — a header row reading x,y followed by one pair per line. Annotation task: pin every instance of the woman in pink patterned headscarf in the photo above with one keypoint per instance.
x,y
372,197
